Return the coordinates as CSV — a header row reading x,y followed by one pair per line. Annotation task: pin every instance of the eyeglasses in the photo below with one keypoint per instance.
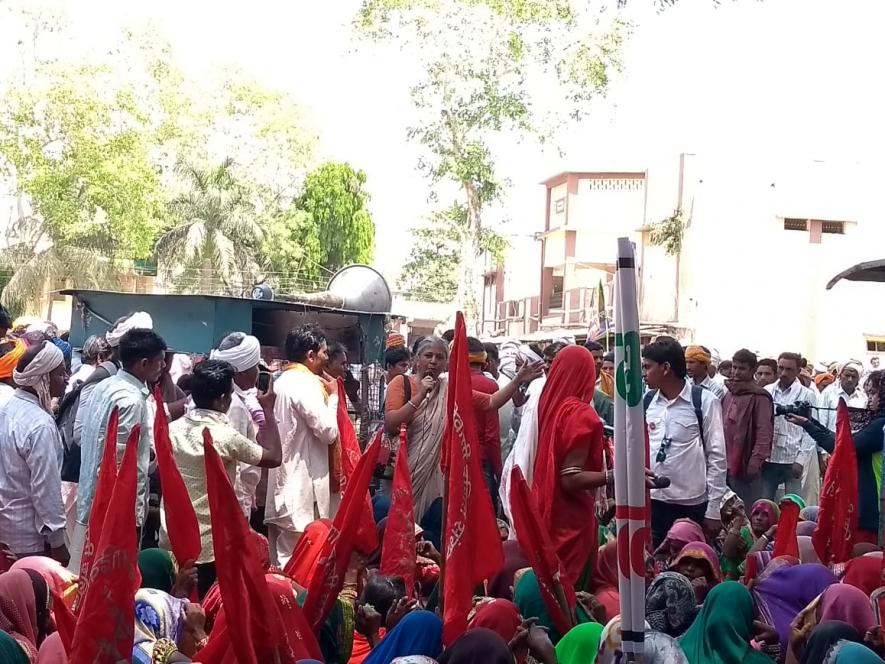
x,y
662,453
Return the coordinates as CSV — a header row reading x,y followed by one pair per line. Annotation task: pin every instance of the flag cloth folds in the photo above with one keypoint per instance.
x,y
65,621
258,631
328,574
398,548
105,626
785,542
104,487
535,543
472,549
181,519
367,535
833,538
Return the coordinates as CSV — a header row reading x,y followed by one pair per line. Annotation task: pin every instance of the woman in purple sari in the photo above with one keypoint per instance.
x,y
783,593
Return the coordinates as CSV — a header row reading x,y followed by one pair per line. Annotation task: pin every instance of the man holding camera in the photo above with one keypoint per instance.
x,y
792,448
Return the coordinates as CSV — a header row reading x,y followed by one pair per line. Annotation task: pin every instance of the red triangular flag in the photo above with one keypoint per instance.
x,y
398,549
833,538
257,632
367,535
105,627
181,519
471,544
101,499
535,543
65,621
785,542
328,575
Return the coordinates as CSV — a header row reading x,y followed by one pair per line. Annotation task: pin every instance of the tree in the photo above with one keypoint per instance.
x,y
483,64
334,197
215,234
291,252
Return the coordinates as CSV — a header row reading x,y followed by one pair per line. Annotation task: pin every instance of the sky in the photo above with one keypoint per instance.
x,y
753,81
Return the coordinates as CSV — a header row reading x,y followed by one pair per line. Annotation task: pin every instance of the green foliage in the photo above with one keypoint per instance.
x,y
291,252
668,233
335,199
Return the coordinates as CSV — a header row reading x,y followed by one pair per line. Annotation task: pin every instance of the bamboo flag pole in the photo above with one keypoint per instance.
x,y
630,457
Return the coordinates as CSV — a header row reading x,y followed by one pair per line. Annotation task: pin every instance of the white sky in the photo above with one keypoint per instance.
x,y
753,81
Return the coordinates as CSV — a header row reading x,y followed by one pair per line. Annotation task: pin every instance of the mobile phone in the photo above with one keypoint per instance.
x,y
263,381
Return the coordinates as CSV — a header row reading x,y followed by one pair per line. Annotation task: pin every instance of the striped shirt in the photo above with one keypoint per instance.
x,y
791,444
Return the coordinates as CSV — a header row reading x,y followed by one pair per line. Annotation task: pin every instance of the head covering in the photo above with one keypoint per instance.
x,y
769,507
158,617
809,513
805,529
395,340
242,357
807,552
502,583
418,633
796,499
530,602
36,374
65,348
580,645
824,637
607,385
11,651
781,594
662,649
157,569
140,320
849,652
9,361
864,573
499,615
841,601
307,551
670,603
682,532
478,646
722,631
703,552
823,380
698,354
52,651
18,609
60,580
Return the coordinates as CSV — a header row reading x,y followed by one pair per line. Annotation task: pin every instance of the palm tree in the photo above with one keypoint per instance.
x,y
216,233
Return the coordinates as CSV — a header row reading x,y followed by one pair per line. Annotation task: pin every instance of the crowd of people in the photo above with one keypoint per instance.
x,y
738,564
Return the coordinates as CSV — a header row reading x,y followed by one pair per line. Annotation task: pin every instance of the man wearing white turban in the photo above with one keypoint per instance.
x,y
32,516
243,353
847,387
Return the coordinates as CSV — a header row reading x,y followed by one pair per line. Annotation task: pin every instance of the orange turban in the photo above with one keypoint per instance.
x,y
607,385
9,362
698,354
395,340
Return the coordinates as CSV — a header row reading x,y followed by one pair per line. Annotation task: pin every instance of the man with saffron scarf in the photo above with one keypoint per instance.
x,y
32,517
697,361
300,490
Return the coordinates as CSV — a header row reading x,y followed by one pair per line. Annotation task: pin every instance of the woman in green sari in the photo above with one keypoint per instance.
x,y
10,651
722,631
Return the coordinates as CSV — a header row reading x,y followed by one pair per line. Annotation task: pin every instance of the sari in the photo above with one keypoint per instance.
x,y
659,648
503,582
844,602
781,594
159,620
681,533
864,573
824,637
11,651
849,652
24,614
580,645
701,552
479,646
604,582
52,650
722,631
499,615
157,569
418,633
809,513
61,581
528,599
670,604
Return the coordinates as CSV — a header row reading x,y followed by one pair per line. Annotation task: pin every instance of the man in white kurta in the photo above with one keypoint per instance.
x,y
299,492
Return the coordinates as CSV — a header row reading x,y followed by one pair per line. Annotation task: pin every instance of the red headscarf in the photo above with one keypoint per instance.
x,y
307,551
605,572
18,609
500,616
864,573
569,388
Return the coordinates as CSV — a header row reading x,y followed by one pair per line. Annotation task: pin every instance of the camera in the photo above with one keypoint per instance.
x,y
800,408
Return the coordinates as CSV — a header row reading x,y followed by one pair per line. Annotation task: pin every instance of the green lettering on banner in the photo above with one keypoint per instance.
x,y
629,373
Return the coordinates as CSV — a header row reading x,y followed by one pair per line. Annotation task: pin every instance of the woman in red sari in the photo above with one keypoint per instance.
x,y
568,464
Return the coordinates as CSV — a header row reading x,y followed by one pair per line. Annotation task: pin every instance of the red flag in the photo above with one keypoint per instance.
x,y
257,632
105,628
101,499
534,542
833,538
181,519
328,574
65,621
366,536
398,552
785,543
471,545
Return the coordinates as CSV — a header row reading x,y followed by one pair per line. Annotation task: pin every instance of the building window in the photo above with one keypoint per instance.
x,y
833,227
559,206
876,344
795,225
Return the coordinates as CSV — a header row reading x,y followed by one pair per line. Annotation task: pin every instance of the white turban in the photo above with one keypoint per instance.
x,y
243,356
36,374
852,364
140,320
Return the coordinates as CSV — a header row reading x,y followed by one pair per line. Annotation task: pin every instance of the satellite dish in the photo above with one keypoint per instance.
x,y
262,292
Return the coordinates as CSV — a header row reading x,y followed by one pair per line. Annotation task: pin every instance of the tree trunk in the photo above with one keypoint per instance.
x,y
470,285
206,277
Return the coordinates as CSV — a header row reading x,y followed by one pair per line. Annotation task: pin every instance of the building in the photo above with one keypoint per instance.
x,y
758,242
